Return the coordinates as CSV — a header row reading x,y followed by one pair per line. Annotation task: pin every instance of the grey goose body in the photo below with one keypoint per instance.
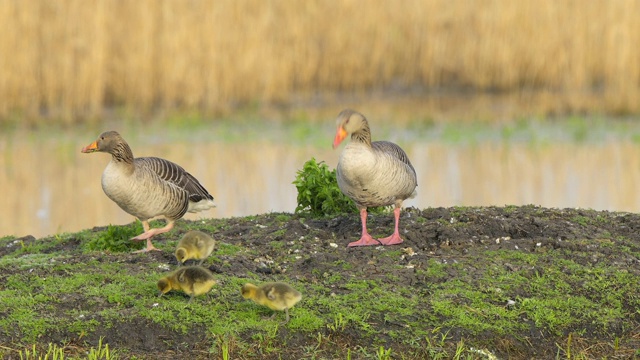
x,y
148,187
375,175
372,173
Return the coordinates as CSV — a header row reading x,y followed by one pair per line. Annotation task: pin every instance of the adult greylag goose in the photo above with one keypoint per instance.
x,y
375,173
148,187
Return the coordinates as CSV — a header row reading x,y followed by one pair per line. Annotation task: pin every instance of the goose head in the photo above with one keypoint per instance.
x,y
348,122
107,142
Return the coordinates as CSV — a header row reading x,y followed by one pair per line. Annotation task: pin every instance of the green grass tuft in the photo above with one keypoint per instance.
x,y
117,239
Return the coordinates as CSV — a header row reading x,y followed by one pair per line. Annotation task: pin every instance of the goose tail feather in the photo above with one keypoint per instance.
x,y
204,204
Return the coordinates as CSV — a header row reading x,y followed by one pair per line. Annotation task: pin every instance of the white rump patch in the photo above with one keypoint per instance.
x,y
201,205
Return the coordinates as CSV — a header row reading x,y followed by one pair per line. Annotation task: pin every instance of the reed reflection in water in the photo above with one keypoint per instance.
x,y
50,187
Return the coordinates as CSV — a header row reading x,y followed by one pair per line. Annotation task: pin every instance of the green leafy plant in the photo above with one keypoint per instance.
x,y
319,194
117,238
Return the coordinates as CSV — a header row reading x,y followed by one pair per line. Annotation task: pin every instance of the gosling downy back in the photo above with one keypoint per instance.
x,y
192,280
194,245
276,296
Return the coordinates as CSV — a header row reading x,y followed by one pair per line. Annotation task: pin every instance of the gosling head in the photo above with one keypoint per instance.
x,y
164,286
181,255
248,290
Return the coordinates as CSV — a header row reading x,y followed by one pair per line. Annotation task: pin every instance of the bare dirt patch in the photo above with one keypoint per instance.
x,y
465,244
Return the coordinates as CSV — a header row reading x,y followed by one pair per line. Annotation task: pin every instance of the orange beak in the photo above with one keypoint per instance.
x,y
340,135
90,148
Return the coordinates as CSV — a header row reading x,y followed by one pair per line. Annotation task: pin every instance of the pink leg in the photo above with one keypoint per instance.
x,y
149,233
365,239
395,238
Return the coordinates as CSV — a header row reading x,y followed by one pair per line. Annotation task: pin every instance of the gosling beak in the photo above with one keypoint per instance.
x,y
90,148
340,135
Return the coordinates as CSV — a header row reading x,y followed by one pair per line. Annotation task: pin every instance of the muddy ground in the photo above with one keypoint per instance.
x,y
445,234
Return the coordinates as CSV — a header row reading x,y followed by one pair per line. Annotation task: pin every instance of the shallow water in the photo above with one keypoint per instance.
x,y
50,187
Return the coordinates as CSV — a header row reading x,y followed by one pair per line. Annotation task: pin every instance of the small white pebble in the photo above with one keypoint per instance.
x,y
298,257
516,247
155,304
487,354
538,244
296,251
503,238
301,238
261,226
510,302
410,266
333,245
163,267
81,316
409,251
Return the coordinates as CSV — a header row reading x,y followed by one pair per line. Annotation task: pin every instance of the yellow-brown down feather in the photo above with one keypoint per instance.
x,y
192,280
194,245
276,296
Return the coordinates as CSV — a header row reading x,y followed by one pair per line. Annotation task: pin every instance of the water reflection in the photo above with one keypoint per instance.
x,y
49,186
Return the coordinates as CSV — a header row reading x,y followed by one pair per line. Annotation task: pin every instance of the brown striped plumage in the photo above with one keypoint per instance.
x,y
372,173
148,187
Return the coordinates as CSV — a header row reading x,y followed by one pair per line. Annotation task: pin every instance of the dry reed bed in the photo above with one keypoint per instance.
x,y
71,59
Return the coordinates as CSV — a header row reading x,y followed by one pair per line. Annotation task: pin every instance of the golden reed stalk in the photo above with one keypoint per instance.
x,y
71,59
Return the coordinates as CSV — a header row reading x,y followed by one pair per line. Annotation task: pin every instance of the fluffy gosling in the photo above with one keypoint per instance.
x,y
193,280
194,245
276,296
